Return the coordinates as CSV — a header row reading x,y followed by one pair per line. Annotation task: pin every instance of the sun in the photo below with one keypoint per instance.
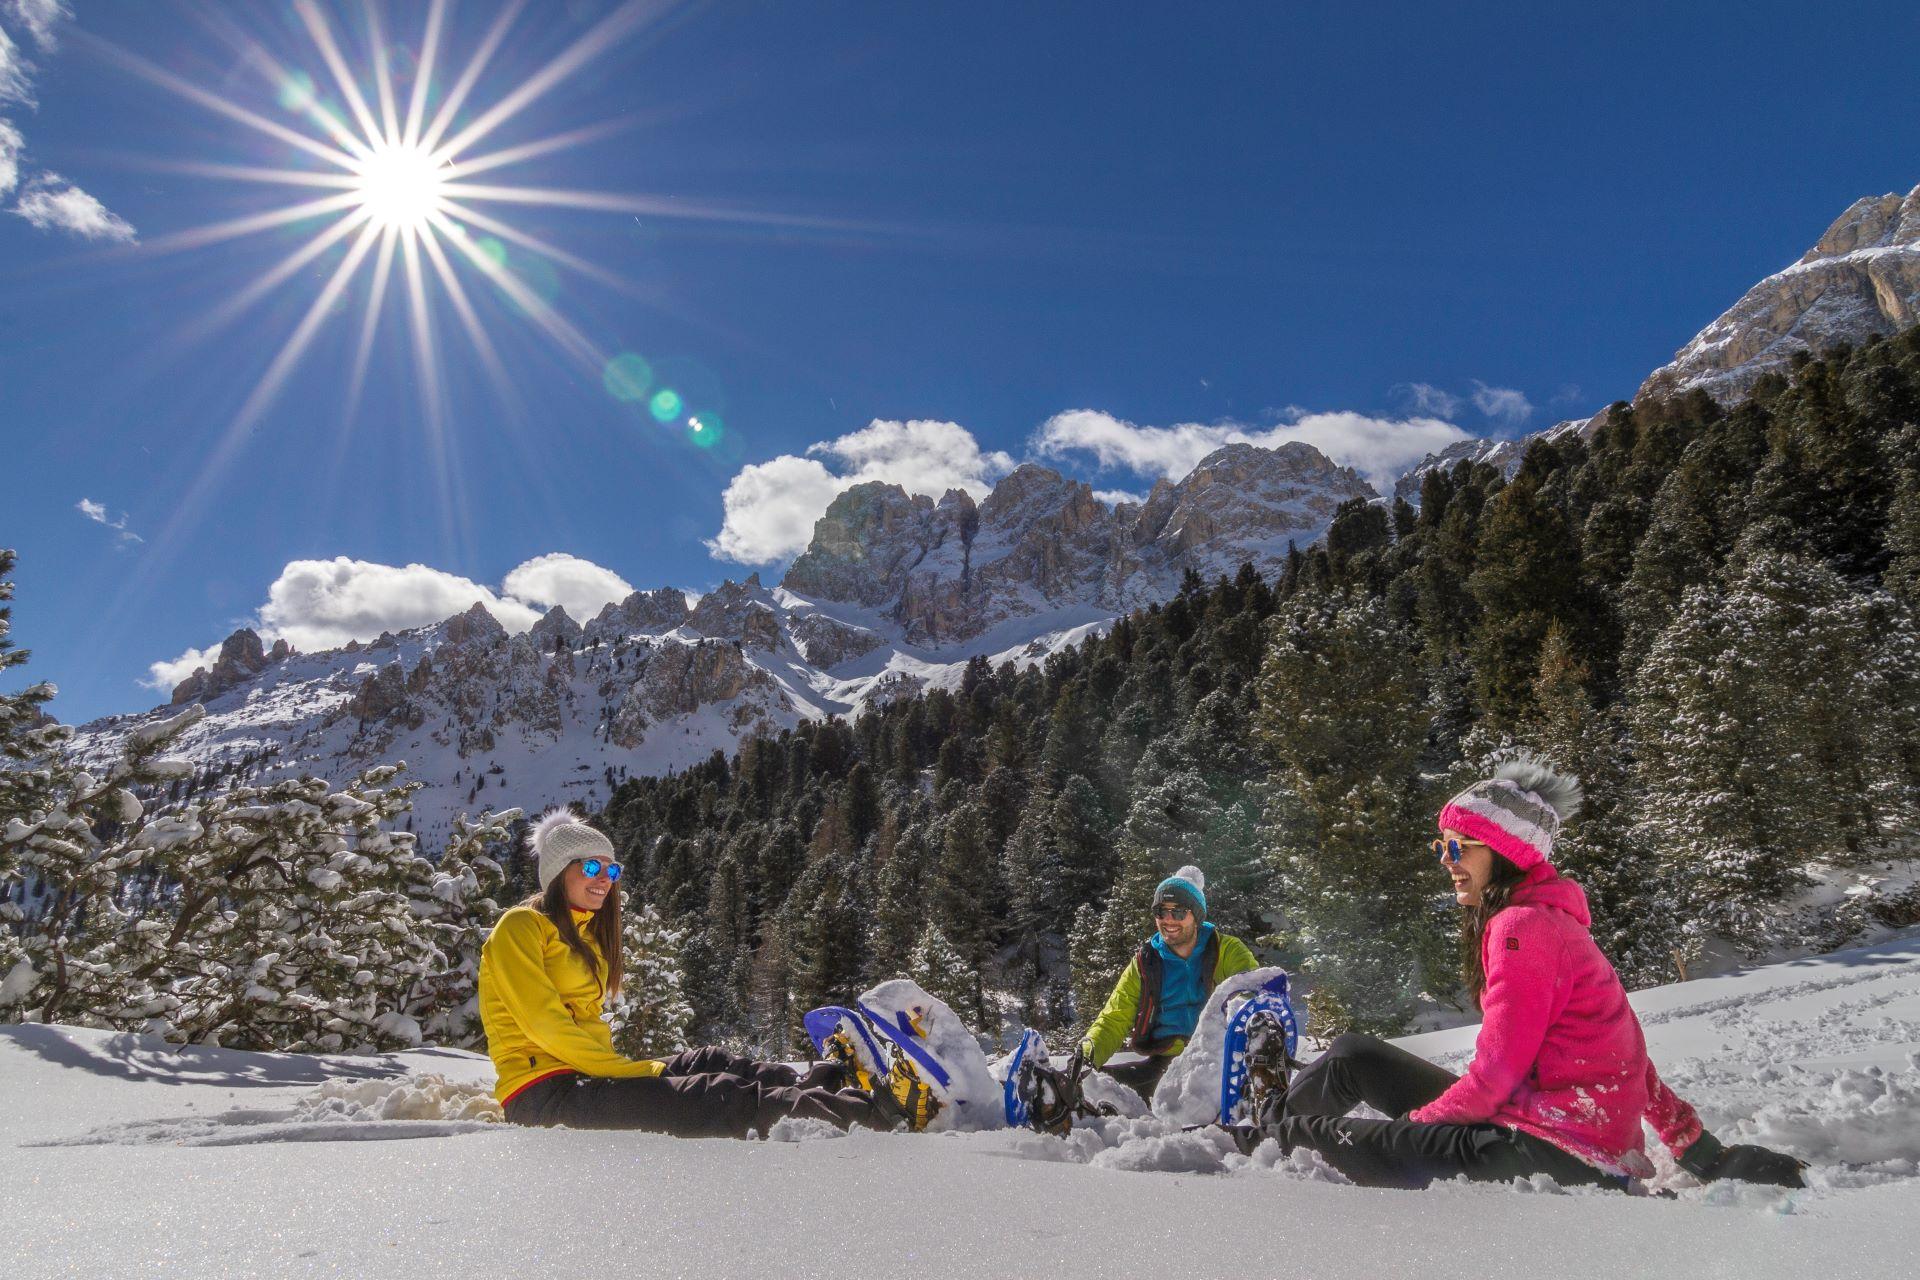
x,y
398,206
401,187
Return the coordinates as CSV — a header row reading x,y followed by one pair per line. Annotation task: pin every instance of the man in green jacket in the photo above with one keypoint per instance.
x,y
1157,1002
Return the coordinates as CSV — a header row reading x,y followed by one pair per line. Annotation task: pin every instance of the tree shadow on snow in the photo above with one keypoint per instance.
x,y
152,1060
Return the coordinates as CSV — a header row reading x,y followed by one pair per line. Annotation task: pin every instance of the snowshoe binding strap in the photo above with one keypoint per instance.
x,y
1053,1097
912,1101
837,1048
1263,1096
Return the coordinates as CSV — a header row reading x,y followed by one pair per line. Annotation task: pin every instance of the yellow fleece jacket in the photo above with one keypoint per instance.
x,y
540,1005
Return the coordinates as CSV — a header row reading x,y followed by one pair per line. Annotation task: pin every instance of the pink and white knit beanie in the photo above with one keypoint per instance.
x,y
1518,811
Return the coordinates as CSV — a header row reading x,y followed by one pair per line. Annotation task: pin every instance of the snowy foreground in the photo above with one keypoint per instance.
x,y
125,1157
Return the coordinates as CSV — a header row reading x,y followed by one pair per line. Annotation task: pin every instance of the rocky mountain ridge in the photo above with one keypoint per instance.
x,y
895,593
1859,280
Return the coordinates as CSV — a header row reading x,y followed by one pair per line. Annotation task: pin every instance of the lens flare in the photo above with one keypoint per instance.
x,y
627,378
665,405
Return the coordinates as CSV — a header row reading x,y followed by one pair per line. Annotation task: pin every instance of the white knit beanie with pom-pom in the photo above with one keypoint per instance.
x,y
562,837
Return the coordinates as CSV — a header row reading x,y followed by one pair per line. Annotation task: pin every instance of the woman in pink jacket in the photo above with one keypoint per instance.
x,y
1560,1080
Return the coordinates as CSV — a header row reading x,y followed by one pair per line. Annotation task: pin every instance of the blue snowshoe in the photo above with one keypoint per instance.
x,y
1258,1059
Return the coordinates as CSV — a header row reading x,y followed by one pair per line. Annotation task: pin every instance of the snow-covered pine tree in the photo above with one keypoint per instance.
x,y
66,864
1765,738
650,1017
937,965
1343,717
1104,939
457,900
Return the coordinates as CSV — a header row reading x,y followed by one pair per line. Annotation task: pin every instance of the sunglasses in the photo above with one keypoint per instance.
x,y
1171,911
1450,850
594,866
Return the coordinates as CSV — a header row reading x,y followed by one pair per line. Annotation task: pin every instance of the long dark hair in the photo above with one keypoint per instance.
x,y
605,928
1501,882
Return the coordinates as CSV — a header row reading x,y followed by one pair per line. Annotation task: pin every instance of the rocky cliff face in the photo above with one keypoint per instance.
x,y
894,595
1862,278
242,657
949,572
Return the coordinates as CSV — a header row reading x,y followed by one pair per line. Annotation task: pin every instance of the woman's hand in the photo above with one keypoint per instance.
x,y
1709,1160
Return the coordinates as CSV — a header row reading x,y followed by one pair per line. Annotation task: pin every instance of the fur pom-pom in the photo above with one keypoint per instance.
x,y
1560,792
1194,876
559,817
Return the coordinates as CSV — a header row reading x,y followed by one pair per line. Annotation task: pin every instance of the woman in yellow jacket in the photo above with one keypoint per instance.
x,y
545,974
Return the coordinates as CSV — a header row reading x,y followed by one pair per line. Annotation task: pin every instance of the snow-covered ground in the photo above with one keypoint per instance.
x,y
124,1157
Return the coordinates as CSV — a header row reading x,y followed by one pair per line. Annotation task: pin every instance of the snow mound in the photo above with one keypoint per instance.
x,y
803,1129
1862,1117
1189,1092
422,1097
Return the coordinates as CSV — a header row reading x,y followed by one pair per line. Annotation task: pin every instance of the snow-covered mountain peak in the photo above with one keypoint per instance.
x,y
1859,279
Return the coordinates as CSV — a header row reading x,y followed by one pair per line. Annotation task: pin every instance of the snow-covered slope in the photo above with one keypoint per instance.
x,y
129,1157
895,595
1862,278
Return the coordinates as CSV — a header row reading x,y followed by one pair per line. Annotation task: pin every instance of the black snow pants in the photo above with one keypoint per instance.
x,y
702,1093
1143,1076
1399,1152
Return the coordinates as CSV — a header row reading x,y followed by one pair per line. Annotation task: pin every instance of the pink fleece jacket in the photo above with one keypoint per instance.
x,y
1560,1054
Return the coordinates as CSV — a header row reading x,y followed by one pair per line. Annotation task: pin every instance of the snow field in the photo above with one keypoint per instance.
x,y
126,1157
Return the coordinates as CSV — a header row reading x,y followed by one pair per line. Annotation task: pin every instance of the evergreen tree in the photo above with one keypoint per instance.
x,y
1103,941
650,1017
944,974
1762,727
1343,716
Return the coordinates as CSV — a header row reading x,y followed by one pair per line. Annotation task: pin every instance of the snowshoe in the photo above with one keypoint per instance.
x,y
1258,1056
1043,1097
1263,1096
913,1101
841,1035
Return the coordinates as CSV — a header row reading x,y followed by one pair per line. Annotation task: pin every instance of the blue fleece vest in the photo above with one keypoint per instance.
x,y
1183,987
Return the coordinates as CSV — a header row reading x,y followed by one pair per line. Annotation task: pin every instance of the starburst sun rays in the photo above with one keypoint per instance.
x,y
406,202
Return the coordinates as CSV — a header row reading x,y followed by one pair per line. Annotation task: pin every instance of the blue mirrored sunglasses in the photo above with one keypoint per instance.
x,y
1446,850
594,866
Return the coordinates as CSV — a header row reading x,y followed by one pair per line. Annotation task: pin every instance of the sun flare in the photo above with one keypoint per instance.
x,y
401,187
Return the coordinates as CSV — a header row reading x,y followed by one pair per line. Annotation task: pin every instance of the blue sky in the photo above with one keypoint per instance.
x,y
955,237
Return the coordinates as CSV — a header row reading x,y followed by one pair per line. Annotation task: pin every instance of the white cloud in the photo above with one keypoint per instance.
x,y
1380,449
1114,497
97,512
11,145
770,507
322,604
41,18
1427,400
16,73
581,587
1503,405
50,202
164,675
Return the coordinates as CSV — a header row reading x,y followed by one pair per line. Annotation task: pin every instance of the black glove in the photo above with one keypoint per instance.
x,y
1710,1160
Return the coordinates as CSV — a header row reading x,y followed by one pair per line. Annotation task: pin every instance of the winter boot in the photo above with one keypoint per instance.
x,y
838,1053
905,1096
